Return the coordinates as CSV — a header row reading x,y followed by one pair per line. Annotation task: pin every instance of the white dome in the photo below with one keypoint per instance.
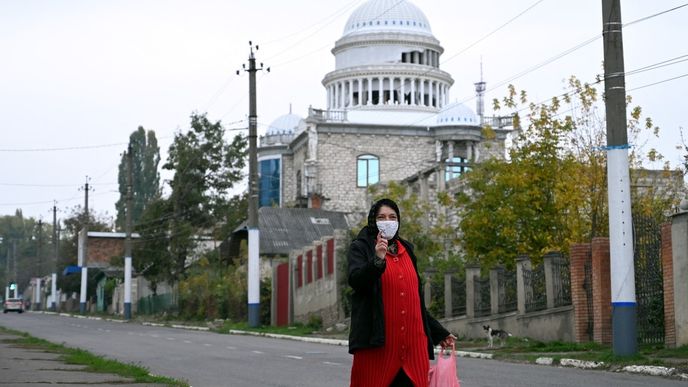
x,y
285,124
457,114
387,16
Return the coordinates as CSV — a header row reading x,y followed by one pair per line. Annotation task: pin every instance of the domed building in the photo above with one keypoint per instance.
x,y
386,117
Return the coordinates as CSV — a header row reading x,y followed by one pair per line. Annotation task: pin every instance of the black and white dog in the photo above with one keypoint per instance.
x,y
502,335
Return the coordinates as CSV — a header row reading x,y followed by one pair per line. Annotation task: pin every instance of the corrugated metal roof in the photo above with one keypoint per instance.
x,y
286,229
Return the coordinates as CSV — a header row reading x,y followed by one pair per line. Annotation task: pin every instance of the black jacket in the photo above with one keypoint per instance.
x,y
367,313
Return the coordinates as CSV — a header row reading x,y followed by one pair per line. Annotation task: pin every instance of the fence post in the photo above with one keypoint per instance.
x,y
448,302
494,290
679,249
601,291
472,271
522,264
579,298
547,261
668,281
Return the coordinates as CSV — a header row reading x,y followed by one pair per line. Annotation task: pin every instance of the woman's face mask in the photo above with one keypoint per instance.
x,y
388,228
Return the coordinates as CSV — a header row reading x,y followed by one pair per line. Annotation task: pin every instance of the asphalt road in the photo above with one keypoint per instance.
x,y
210,359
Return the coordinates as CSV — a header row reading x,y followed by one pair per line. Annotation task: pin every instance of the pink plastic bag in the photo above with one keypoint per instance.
x,y
443,372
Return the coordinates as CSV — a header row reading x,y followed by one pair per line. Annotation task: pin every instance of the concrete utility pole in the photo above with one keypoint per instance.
x,y
619,187
127,241
37,298
53,277
253,232
84,254
14,269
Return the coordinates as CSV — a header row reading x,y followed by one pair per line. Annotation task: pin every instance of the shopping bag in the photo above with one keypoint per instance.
x,y
443,372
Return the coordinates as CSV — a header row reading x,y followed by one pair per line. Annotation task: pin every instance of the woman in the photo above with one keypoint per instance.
x,y
392,335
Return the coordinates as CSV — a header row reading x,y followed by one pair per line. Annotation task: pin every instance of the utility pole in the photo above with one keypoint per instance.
x,y
619,187
53,277
7,270
127,241
84,254
14,268
253,231
39,253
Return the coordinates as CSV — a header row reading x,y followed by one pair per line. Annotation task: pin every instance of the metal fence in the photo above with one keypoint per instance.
x,y
561,277
507,298
536,294
481,288
648,280
458,286
156,304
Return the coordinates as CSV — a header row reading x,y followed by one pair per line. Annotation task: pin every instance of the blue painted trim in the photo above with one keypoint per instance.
x,y
616,147
624,303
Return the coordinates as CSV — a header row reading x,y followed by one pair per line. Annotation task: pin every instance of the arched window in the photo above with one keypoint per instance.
x,y
368,170
298,184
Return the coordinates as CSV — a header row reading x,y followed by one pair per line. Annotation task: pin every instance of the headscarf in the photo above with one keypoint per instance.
x,y
372,226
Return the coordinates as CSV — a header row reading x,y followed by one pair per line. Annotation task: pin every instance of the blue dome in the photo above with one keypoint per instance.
x,y
387,16
285,124
457,114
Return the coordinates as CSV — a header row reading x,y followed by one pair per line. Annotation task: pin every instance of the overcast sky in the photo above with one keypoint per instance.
x,y
77,77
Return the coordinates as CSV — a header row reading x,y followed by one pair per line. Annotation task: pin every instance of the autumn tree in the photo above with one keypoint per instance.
x,y
551,190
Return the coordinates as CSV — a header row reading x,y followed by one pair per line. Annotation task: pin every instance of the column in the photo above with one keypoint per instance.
x,y
380,99
601,291
402,91
422,91
431,94
679,252
580,253
448,295
360,91
548,262
494,289
472,271
522,264
413,91
370,92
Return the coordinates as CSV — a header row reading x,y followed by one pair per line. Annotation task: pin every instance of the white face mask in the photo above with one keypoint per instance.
x,y
388,228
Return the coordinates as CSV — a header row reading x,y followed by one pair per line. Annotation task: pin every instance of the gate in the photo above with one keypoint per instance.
x,y
649,286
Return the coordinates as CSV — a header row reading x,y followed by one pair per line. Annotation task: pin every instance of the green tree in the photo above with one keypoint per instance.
x,y
206,167
145,175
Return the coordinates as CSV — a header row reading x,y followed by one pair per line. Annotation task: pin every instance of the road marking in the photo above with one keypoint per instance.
x,y
171,338
154,335
187,342
108,331
294,357
208,345
230,347
257,352
331,363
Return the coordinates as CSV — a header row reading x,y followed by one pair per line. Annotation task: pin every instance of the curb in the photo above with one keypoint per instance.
x,y
632,369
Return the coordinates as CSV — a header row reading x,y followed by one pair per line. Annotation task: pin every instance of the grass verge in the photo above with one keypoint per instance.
x,y
92,362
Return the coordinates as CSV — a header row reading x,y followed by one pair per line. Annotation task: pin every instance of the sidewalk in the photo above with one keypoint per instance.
x,y
27,367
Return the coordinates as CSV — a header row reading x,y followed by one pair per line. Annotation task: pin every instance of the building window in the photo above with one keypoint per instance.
x,y
368,170
269,183
298,184
456,167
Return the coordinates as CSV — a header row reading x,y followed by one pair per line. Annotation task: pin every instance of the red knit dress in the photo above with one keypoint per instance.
x,y
405,340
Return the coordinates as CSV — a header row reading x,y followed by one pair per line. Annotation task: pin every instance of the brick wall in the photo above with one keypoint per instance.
x,y
601,291
668,275
101,250
580,253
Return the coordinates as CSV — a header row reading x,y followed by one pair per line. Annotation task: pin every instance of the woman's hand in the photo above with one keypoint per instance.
x,y
448,341
380,246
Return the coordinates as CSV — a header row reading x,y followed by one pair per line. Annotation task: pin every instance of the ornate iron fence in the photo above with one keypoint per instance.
x,y
508,300
649,286
458,286
561,277
481,289
536,294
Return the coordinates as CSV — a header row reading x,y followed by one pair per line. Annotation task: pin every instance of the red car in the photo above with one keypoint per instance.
x,y
13,305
